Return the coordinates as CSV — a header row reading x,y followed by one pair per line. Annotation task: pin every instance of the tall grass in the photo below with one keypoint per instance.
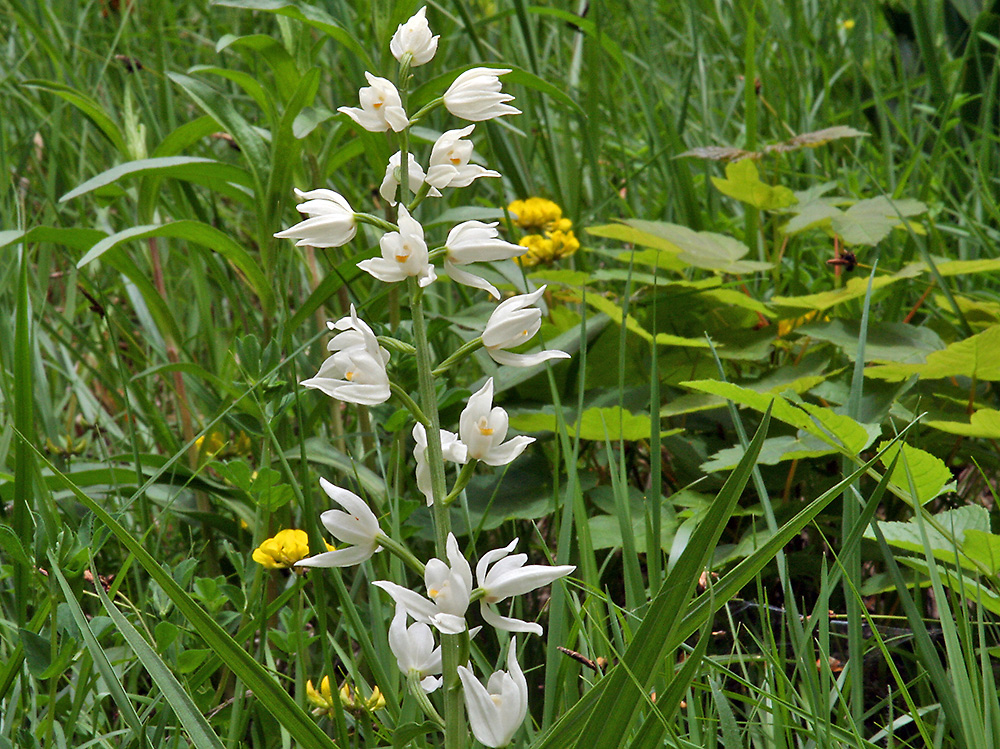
x,y
152,433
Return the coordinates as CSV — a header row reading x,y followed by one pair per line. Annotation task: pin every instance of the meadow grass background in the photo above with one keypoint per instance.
x,y
152,433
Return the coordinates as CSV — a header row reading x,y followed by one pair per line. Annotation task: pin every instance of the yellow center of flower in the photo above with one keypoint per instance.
x,y
349,376
455,160
433,592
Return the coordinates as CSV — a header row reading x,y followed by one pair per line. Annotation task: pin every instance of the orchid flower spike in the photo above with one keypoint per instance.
x,y
452,449
448,588
497,710
475,242
501,576
483,428
381,107
513,322
330,224
404,253
356,372
357,527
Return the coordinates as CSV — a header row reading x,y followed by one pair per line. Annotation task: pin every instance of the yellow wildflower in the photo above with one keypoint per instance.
x,y
283,550
322,700
787,326
847,25
536,213
564,243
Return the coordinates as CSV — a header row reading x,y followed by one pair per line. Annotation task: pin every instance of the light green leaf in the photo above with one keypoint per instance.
x,y
199,234
840,432
595,424
88,106
984,423
931,476
954,524
983,547
975,356
886,341
190,168
11,546
868,222
743,183
612,310
702,249
968,267
856,288
309,15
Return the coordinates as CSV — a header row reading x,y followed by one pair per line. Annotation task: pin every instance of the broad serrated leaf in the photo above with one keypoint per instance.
x,y
976,356
743,183
855,288
954,525
886,341
868,222
984,423
930,475
701,249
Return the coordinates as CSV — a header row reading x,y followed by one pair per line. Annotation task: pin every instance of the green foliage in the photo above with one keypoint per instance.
x,y
152,432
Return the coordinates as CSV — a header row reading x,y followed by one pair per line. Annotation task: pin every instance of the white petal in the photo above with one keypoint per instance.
x,y
525,360
508,624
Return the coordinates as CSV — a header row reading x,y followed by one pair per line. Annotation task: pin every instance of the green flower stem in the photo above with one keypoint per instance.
x,y
456,731
393,344
401,551
419,197
410,404
428,107
413,682
464,351
463,479
378,223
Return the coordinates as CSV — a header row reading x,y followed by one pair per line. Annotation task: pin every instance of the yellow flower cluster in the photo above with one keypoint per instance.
x,y
553,237
323,704
284,549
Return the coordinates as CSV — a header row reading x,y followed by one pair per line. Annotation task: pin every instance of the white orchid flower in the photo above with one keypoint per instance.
x,y
404,253
475,242
448,588
390,183
449,166
475,95
513,322
497,710
331,220
357,527
414,38
483,428
509,577
356,371
414,649
452,449
381,107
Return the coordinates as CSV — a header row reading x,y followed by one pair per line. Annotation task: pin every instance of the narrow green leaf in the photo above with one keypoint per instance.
x,y
199,234
198,729
311,16
100,658
269,693
88,106
191,168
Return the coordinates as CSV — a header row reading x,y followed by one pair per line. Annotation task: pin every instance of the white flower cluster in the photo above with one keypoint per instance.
x,y
356,372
